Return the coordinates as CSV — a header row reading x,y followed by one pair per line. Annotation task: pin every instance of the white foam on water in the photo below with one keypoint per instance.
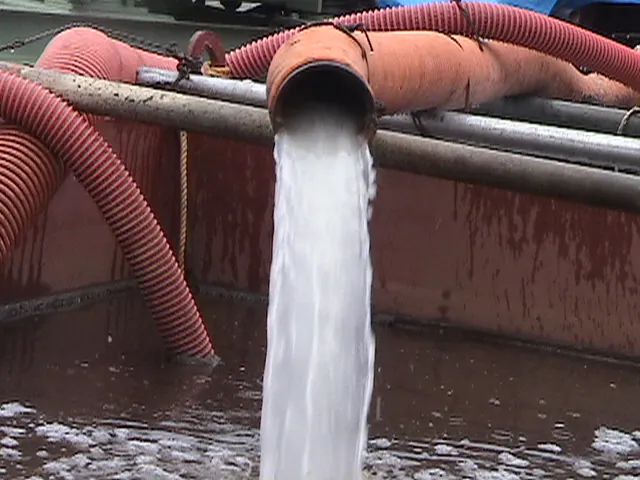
x,y
615,442
550,447
13,431
380,442
56,432
441,449
510,459
9,442
49,448
319,368
584,468
433,474
628,464
13,409
10,453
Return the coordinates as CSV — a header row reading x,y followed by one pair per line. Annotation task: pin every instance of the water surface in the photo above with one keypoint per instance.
x,y
85,395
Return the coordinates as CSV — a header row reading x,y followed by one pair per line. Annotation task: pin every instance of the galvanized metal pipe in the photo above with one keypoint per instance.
x,y
528,109
564,114
147,105
244,92
508,171
570,145
408,153
566,144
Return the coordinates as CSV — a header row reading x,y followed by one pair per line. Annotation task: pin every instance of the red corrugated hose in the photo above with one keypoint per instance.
x,y
491,21
29,176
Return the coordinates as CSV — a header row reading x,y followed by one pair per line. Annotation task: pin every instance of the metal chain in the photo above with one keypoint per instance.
x,y
186,64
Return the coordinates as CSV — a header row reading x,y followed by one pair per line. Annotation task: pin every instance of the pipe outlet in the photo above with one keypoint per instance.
x,y
334,72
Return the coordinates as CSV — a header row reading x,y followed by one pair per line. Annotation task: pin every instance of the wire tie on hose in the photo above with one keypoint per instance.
x,y
347,29
467,95
186,64
454,39
359,27
474,31
417,122
316,23
626,118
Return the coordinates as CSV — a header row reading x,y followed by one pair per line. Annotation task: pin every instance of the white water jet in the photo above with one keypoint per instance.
x,y
319,369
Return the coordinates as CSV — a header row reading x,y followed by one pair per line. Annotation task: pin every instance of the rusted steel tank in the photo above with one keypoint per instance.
x,y
513,264
519,265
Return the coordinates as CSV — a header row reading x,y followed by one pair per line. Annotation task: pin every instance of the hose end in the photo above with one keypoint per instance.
x,y
334,77
210,360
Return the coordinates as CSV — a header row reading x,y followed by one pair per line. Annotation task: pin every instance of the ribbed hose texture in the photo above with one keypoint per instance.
x,y
491,21
85,51
73,141
29,178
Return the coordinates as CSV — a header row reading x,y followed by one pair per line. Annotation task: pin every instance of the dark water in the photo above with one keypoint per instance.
x,y
85,395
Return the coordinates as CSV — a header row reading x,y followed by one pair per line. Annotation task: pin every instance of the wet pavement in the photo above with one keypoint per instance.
x,y
85,394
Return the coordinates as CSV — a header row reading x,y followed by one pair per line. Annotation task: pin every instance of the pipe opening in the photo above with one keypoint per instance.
x,y
329,84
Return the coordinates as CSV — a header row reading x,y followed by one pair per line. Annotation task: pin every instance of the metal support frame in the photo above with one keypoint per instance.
x,y
393,150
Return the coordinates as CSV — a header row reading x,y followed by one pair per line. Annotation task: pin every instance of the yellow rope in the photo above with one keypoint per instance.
x,y
184,183
211,71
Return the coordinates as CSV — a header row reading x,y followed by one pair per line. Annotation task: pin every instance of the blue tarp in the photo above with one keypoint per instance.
x,y
546,7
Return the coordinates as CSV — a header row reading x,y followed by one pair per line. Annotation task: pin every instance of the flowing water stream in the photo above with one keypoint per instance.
x,y
319,368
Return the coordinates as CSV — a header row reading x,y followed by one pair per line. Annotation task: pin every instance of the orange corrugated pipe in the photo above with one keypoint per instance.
x,y
28,178
389,72
504,23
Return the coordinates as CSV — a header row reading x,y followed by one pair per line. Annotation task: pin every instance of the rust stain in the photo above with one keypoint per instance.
x,y
151,155
233,183
475,256
598,242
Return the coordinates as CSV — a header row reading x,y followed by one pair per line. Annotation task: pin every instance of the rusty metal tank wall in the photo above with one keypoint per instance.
x,y
231,212
513,264
70,246
523,266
